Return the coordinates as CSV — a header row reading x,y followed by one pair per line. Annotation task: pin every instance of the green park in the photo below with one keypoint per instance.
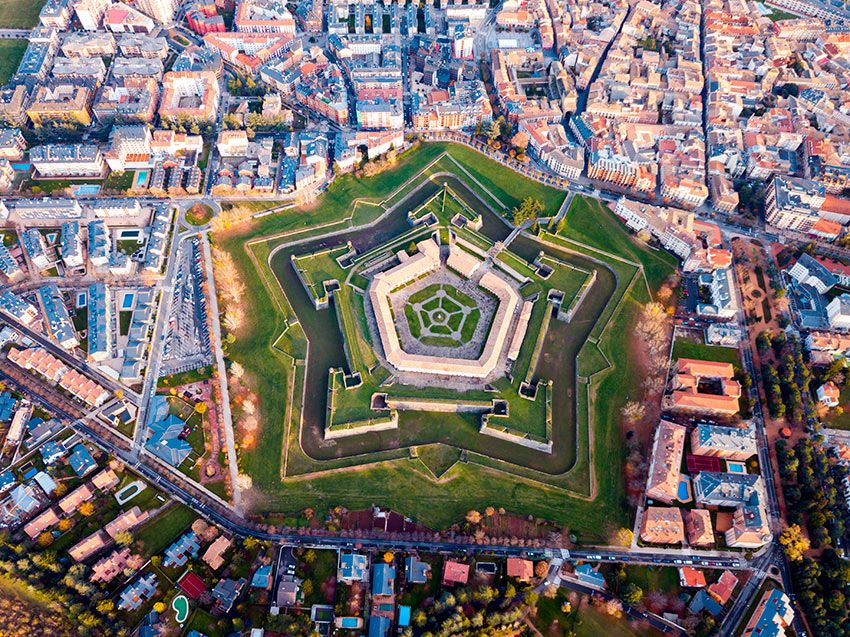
x,y
341,424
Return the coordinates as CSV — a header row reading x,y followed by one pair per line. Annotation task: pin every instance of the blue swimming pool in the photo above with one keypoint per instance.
x,y
683,490
736,467
86,189
21,167
141,179
127,301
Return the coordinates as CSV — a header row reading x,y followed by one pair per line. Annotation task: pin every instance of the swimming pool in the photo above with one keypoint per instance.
x,y
683,491
86,189
127,301
21,167
81,299
141,179
735,467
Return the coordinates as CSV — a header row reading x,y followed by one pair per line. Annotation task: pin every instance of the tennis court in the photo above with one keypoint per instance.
x,y
703,463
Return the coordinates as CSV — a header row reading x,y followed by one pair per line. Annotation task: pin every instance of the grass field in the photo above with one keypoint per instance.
x,y
481,481
583,622
11,52
17,14
164,528
688,349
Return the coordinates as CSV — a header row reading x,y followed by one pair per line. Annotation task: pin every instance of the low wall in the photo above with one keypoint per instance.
x,y
363,426
437,405
517,439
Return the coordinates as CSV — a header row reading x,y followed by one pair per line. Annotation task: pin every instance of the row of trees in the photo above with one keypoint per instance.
x,y
812,487
787,387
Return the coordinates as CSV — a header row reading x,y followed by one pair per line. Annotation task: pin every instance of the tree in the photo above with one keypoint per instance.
x,y
794,543
473,517
633,594
494,130
623,537
201,407
541,569
86,509
309,556
528,210
123,538
45,539
105,606
159,607
307,587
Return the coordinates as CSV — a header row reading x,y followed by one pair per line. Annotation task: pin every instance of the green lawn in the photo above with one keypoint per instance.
x,y
16,14
262,346
652,578
586,621
688,349
778,14
185,378
120,181
11,51
165,527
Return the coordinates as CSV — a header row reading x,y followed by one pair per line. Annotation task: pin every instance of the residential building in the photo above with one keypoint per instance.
x,y
181,550
226,593
263,16
731,443
56,316
828,394
772,616
690,577
99,321
100,243
137,593
67,160
352,567
521,569
189,95
60,103
162,11
129,148
455,573
18,308
81,460
663,480
793,203
809,271
121,18
686,384
416,571
214,555
698,528
722,589
838,312
662,525
12,144
743,492
9,265
90,12
71,244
